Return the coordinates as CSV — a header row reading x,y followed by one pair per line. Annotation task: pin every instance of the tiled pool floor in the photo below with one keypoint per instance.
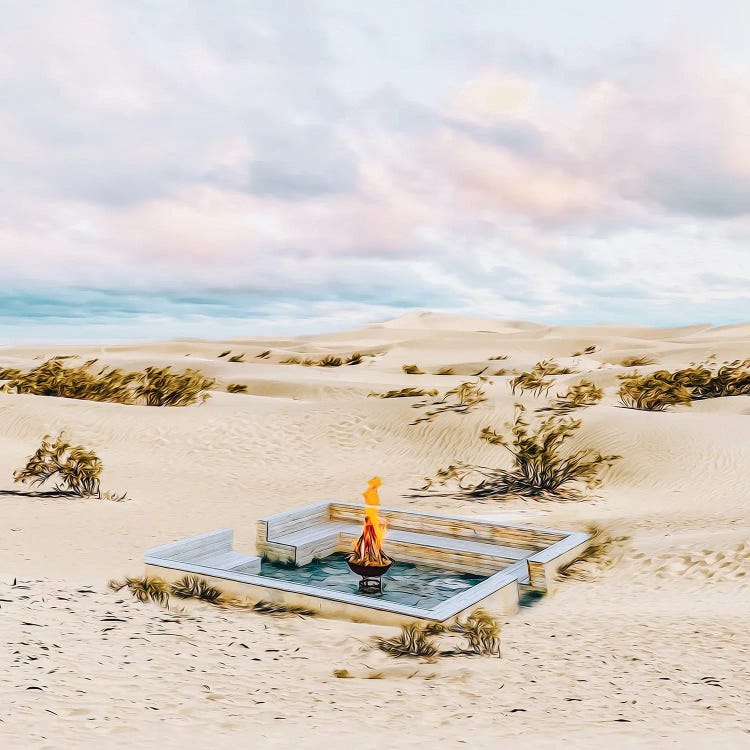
x,y
405,583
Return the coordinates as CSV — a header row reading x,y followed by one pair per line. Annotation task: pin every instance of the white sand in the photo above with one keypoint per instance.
x,y
653,651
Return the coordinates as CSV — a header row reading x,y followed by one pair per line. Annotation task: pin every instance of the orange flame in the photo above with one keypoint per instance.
x,y
368,548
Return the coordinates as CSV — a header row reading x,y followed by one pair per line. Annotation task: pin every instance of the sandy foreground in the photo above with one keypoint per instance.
x,y
651,651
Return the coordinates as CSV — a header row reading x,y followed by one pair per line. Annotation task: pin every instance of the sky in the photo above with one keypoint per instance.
x,y
252,168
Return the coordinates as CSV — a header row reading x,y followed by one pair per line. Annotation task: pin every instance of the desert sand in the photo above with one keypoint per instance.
x,y
649,647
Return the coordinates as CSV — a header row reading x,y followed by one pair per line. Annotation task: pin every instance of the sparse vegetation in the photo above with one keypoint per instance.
x,y
498,356
330,361
481,630
530,381
159,386
264,354
237,357
194,587
75,469
413,640
661,389
460,399
412,370
291,361
354,359
445,371
282,610
224,354
578,396
148,588
405,393
642,361
237,388
154,386
550,367
541,467
588,350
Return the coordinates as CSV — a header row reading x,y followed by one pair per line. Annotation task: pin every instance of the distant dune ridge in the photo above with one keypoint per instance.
x,y
651,645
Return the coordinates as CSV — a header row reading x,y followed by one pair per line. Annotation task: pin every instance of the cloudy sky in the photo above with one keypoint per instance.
x,y
238,168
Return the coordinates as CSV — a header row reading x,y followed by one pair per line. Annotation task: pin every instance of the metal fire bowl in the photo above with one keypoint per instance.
x,y
368,571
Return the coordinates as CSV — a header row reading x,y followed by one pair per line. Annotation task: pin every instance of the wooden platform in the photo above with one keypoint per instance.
x,y
510,557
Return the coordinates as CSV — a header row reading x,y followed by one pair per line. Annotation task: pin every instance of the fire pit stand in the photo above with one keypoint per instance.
x,y
371,576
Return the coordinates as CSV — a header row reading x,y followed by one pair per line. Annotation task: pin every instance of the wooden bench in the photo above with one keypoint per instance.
x,y
460,544
213,550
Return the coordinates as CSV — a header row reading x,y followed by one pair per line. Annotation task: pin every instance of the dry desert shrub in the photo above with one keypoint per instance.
x,y
413,640
445,371
279,609
405,393
481,630
264,354
159,386
194,587
578,396
530,381
330,361
75,469
460,399
354,359
642,361
148,588
153,387
541,466
499,356
237,357
588,350
661,389
237,388
224,354
291,361
412,370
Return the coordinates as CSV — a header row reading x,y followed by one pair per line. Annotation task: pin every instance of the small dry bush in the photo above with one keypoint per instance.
x,y
405,393
460,399
148,588
412,370
330,361
264,354
279,609
308,362
588,350
480,629
237,388
578,396
660,389
354,359
75,469
482,632
237,357
499,356
413,640
530,381
159,386
637,361
154,386
194,587
291,361
445,371
224,354
550,367
541,466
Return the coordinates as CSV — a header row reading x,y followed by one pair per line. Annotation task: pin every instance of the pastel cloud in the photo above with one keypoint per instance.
x,y
302,155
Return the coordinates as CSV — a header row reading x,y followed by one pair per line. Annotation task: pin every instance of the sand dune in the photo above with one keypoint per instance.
x,y
651,650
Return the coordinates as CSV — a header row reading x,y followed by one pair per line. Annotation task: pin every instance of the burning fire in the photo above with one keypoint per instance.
x,y
367,549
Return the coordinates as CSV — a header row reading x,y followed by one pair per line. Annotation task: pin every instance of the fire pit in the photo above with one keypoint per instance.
x,y
368,559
